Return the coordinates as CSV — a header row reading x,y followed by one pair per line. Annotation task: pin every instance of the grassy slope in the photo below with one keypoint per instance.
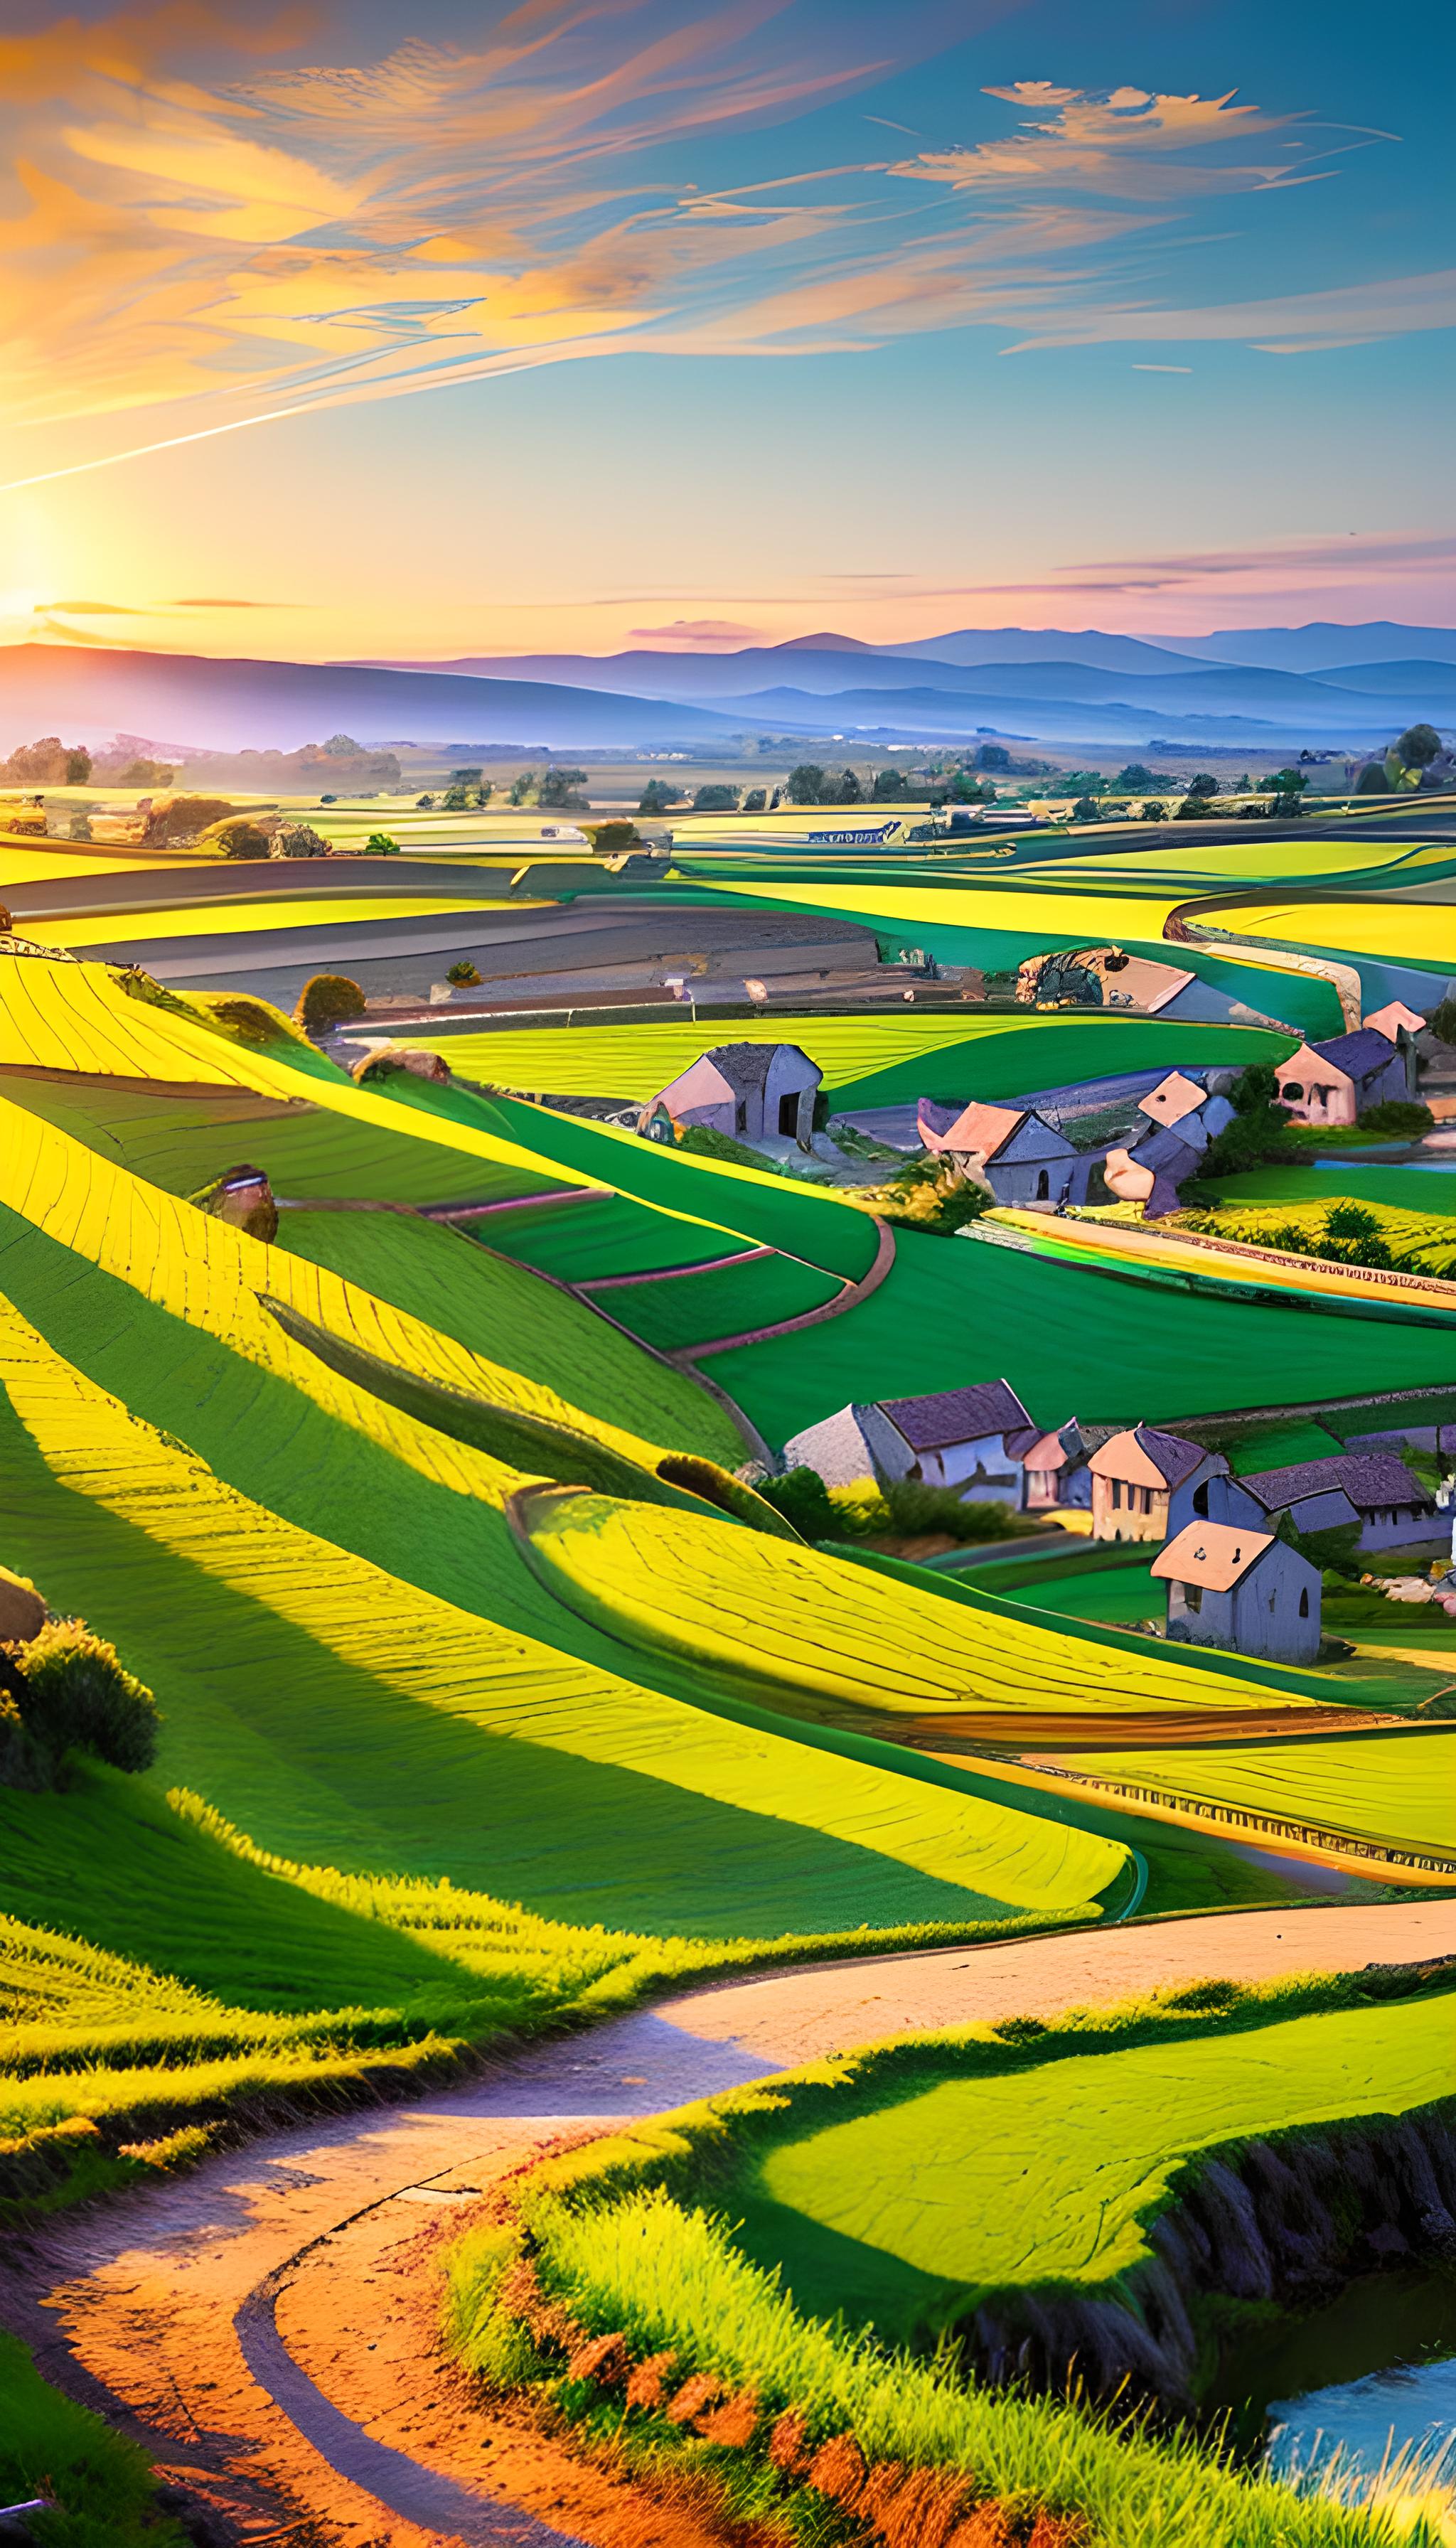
x,y
607,1234
1072,1342
956,2173
1393,1787
338,1712
104,2486
182,1143
495,1306
800,1620
696,1309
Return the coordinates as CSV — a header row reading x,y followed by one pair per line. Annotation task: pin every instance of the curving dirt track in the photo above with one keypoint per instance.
x,y
266,2324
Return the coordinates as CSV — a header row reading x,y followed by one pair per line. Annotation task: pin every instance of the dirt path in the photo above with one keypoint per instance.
x,y
266,2324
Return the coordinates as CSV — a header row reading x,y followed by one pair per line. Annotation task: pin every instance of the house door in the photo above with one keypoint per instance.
x,y
1044,1186
788,1115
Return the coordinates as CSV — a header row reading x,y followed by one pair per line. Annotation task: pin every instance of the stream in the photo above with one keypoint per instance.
x,y
1371,2377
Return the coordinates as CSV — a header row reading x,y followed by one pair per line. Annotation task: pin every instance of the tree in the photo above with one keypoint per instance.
x,y
803,1499
1133,780
145,773
1203,784
380,846
521,786
77,765
888,788
1155,810
559,789
804,784
849,790
754,801
715,801
992,756
1419,746
326,1001
37,764
424,803
1086,810
1287,783
658,795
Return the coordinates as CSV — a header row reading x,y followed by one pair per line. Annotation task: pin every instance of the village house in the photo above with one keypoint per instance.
x,y
752,1091
1373,1488
1338,1081
1242,1590
1133,1475
955,1438
1400,1026
1008,1151
1056,1467
1109,977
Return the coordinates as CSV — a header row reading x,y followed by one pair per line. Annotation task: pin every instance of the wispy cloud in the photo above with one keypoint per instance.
x,y
701,632
194,217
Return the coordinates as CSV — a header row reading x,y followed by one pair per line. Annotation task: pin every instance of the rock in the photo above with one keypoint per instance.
x,y
21,1610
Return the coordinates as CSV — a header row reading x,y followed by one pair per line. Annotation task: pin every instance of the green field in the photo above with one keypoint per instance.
x,y
499,1307
1071,1341
1398,1789
867,1061
934,2190
694,1309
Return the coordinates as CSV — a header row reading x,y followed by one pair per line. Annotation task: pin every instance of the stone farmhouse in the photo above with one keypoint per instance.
x,y
1009,1152
754,1091
1240,1590
1135,1475
1373,1488
970,1439
1341,1078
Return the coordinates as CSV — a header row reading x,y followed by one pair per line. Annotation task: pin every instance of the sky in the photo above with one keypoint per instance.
x,y
457,328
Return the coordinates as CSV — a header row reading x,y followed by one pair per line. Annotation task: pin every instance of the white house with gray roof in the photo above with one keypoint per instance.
x,y
970,1439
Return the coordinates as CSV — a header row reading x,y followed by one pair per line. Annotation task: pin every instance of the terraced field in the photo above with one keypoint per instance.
x,y
946,2187
1395,1789
865,1061
832,1639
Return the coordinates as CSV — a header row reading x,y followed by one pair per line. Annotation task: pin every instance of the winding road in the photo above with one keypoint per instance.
x,y
266,2325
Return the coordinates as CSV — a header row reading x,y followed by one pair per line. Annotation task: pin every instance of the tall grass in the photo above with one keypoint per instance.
x,y
103,2490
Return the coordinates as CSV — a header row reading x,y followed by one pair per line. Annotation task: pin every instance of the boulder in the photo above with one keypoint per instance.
x,y
21,1610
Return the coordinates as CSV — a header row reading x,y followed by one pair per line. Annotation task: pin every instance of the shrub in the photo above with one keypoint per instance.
x,y
1397,1115
1086,810
1155,810
249,1019
73,1694
463,974
803,1499
238,837
915,1506
326,1001
380,846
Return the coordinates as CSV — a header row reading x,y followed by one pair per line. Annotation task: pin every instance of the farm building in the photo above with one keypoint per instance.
x,y
1242,1590
752,1090
1335,1081
1056,1467
1109,977
1133,1475
1008,1151
1373,1488
957,1437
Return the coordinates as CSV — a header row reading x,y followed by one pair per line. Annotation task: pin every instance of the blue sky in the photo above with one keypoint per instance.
x,y
475,329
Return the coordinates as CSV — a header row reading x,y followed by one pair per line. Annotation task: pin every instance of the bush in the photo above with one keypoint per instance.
x,y
74,1695
1155,810
380,846
250,1021
327,1000
1397,1115
238,837
915,1506
803,1499
1086,810
463,974
1442,1021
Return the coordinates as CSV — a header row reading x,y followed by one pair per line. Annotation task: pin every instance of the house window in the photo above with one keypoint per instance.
x,y
1291,1092
1117,1494
1193,1596
1304,1602
1201,1499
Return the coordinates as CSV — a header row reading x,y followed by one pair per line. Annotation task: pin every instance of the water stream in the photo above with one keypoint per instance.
x,y
1369,2378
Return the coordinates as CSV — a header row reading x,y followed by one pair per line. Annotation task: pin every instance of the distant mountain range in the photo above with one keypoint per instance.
x,y
1269,689
1054,683
236,704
